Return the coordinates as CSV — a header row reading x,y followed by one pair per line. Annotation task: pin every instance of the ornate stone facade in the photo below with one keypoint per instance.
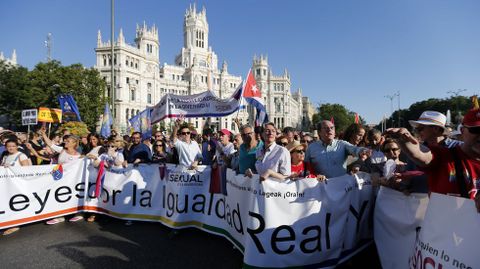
x,y
140,80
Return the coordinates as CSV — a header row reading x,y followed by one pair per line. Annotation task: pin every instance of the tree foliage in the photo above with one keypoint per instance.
x,y
457,105
22,89
341,116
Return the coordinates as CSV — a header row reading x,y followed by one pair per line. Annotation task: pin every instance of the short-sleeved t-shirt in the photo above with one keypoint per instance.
x,y
248,158
14,159
442,175
187,152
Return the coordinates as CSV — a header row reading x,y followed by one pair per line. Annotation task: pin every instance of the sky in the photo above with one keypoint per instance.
x,y
355,53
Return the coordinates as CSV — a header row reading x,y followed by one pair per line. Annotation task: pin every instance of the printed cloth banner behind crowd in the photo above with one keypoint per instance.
x,y
449,236
69,108
205,104
275,224
142,123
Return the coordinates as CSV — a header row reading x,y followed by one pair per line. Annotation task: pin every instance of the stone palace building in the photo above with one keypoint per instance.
x,y
141,81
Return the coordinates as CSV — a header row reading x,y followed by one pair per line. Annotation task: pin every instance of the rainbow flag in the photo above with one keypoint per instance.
x,y
57,172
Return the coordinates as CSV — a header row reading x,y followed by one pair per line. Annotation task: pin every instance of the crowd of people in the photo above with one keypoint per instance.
x,y
423,160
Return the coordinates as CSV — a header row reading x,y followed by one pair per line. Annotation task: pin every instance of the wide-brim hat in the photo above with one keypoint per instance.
x,y
295,145
432,118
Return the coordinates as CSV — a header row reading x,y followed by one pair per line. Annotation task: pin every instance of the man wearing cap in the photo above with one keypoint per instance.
x,y
431,129
189,153
454,171
327,157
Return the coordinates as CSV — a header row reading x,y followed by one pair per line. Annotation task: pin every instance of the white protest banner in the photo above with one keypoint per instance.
x,y
359,225
204,104
275,224
34,193
396,221
449,236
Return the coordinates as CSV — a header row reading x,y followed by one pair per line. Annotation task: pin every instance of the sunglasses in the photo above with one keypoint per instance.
x,y
111,146
391,149
158,145
283,143
299,151
473,130
185,133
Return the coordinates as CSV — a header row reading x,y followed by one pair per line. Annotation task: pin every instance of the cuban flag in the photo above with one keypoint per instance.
x,y
105,131
253,96
100,179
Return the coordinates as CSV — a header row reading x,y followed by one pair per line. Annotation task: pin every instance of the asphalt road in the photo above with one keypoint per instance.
x,y
108,243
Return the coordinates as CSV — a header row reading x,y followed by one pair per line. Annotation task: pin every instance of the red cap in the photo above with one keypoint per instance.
x,y
225,132
472,118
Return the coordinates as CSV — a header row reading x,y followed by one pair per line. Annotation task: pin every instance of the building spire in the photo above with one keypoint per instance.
x,y
121,38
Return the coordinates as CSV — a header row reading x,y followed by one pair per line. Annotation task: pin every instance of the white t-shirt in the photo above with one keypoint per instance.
x,y
64,157
187,152
222,150
14,159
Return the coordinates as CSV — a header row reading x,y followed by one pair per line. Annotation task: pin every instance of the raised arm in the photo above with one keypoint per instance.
x,y
419,154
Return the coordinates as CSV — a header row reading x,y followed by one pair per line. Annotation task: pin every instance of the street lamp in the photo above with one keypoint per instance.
x,y
391,97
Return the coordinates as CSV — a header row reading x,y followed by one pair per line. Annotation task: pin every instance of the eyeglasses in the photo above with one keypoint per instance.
x,y
299,151
391,149
473,130
185,133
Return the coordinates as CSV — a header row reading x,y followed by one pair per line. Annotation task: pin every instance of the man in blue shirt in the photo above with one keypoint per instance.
x,y
248,150
327,157
138,152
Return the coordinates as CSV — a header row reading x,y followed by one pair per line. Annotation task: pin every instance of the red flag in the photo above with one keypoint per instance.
x,y
100,179
332,120
357,118
251,89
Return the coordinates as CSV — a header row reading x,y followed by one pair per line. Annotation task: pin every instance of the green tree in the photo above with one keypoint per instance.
x,y
16,93
456,104
341,116
85,85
